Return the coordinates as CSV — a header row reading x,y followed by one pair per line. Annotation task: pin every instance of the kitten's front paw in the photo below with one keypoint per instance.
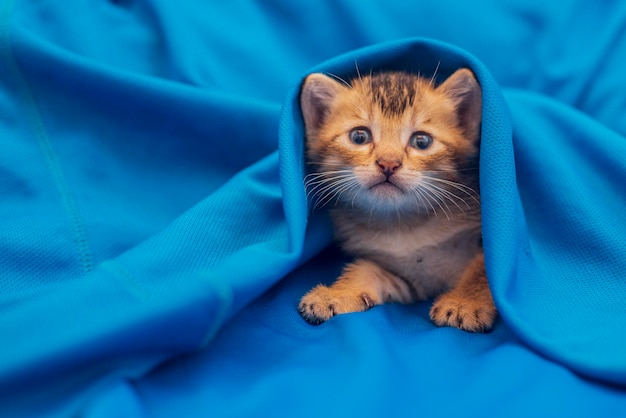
x,y
466,314
322,303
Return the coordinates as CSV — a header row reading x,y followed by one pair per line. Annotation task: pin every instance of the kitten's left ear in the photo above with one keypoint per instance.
x,y
317,98
463,89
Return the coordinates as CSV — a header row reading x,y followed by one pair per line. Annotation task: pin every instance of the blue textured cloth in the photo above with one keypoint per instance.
x,y
155,237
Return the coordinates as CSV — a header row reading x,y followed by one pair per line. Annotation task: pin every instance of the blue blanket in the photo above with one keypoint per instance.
x,y
155,237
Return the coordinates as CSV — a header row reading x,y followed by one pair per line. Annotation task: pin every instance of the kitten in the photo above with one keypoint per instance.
x,y
399,158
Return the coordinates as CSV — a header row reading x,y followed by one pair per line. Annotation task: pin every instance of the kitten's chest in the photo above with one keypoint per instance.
x,y
432,255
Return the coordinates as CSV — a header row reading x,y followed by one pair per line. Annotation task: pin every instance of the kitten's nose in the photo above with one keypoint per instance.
x,y
388,167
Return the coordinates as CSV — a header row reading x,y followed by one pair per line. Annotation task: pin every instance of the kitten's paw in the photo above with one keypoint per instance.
x,y
322,303
466,314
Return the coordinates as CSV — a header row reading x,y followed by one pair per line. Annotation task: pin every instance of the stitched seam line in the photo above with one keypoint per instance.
x,y
67,200
123,275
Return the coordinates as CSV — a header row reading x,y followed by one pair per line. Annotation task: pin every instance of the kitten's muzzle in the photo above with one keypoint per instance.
x,y
386,184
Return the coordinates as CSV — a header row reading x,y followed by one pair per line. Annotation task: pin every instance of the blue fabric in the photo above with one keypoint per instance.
x,y
155,236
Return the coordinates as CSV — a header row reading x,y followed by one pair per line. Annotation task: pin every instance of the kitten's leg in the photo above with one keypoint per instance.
x,y
469,305
362,285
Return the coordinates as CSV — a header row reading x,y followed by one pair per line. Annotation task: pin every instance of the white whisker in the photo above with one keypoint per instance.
x,y
438,199
459,186
418,200
358,72
326,164
335,192
355,195
435,198
451,170
326,173
340,79
449,195
425,198
323,187
347,188
316,180
432,79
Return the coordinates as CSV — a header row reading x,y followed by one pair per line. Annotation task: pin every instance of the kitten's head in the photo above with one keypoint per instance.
x,y
392,142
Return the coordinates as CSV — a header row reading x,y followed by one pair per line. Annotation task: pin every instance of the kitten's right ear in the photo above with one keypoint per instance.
x,y
464,91
317,97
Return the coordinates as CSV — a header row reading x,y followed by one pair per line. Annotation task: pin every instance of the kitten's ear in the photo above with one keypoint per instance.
x,y
316,100
463,89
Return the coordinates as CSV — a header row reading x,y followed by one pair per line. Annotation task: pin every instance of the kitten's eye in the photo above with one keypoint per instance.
x,y
360,136
420,140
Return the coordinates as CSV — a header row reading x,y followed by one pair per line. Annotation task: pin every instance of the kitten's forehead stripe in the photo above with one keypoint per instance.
x,y
393,92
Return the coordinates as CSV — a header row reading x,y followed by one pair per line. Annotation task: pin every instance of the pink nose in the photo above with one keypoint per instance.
x,y
388,166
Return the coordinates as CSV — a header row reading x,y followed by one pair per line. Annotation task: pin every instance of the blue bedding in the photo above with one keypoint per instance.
x,y
155,236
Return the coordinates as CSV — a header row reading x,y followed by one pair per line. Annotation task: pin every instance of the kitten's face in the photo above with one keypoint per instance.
x,y
392,142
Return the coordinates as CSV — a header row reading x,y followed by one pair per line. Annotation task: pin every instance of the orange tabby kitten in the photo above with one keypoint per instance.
x,y
399,158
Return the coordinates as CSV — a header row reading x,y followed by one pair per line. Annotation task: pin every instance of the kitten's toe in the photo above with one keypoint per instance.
x,y
322,303
316,306
313,314
466,314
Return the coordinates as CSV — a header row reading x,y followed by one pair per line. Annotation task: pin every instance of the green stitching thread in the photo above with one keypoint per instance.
x,y
66,197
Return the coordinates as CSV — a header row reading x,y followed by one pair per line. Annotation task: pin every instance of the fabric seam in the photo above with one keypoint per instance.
x,y
25,92
123,275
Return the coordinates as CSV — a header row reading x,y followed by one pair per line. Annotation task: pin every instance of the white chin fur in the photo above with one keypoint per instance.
x,y
385,199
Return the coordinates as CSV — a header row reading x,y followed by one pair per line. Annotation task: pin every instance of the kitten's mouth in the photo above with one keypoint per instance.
x,y
386,186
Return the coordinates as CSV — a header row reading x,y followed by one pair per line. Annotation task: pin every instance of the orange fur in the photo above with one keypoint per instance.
x,y
469,305
397,157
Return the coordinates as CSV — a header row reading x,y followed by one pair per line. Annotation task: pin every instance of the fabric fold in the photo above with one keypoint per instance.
x,y
551,208
156,236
